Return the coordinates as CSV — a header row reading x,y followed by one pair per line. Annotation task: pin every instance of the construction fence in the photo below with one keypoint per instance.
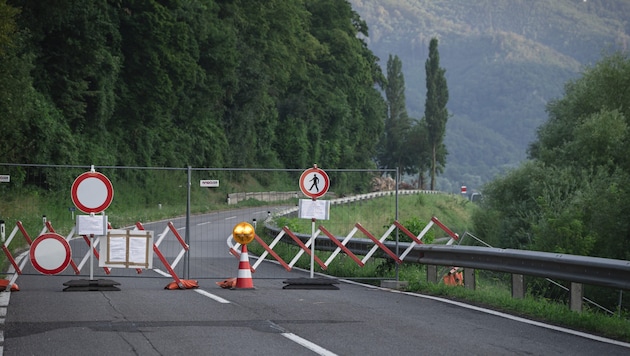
x,y
190,212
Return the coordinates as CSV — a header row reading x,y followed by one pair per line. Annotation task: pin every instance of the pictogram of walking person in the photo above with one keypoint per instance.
x,y
315,181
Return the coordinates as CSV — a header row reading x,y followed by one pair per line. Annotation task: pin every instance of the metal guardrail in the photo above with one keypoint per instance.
x,y
580,269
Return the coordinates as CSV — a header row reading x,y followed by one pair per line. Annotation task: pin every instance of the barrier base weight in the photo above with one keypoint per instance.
x,y
86,285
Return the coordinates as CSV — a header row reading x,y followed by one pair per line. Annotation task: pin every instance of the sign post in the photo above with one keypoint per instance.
x,y
92,192
314,183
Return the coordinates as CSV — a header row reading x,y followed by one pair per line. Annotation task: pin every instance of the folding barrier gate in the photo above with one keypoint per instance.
x,y
48,229
179,283
341,245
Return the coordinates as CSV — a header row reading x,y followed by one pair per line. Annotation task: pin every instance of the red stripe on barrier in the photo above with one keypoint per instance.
x,y
380,244
24,233
407,232
446,229
162,258
341,246
168,266
272,253
50,228
6,252
303,246
179,238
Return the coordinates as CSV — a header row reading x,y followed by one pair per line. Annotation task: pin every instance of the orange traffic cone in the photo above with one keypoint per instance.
x,y
244,279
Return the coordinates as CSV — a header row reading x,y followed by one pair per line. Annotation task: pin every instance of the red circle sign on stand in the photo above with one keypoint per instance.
x,y
92,192
50,253
314,182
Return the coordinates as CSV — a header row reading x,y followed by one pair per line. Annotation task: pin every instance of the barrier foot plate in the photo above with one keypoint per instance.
x,y
83,285
311,283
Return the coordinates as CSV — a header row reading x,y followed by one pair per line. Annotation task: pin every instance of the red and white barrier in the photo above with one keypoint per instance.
x,y
341,245
170,267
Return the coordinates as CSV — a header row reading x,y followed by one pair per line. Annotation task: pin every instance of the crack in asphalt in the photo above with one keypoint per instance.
x,y
21,329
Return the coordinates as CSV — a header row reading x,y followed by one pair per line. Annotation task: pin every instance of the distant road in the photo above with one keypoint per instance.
x,y
143,318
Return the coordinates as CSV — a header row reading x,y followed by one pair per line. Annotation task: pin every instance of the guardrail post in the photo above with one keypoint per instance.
x,y
432,274
469,278
575,297
518,286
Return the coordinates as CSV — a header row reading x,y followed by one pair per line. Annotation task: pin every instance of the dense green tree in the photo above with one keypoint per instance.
x,y
76,64
395,150
189,82
572,196
420,150
435,111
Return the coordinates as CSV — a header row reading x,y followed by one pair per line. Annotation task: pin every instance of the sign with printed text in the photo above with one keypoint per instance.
x,y
5,178
209,183
126,249
314,209
91,225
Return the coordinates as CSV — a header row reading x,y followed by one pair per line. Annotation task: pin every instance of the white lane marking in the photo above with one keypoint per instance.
x,y
204,223
309,345
230,217
212,296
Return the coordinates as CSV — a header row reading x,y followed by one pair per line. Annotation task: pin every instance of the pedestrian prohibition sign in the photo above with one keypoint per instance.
x,y
314,182
92,192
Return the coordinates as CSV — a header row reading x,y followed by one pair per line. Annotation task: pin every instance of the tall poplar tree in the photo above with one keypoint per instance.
x,y
393,150
435,111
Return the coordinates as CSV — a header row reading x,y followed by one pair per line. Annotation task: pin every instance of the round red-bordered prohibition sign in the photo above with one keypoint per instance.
x,y
50,253
311,185
92,192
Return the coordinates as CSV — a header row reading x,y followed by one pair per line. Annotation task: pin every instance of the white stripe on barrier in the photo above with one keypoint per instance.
x,y
375,247
344,242
301,252
271,246
413,243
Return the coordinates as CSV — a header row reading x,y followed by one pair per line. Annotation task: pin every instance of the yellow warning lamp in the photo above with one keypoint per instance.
x,y
243,233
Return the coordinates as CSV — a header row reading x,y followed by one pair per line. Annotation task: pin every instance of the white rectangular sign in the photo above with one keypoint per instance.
x,y
126,249
209,183
5,178
314,209
91,225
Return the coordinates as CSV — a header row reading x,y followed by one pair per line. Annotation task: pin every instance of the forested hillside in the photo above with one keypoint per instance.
x,y
504,60
256,83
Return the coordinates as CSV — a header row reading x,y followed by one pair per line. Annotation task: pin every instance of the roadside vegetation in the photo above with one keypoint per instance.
x,y
492,288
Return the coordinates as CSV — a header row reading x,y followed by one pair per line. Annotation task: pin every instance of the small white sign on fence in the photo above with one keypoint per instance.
x,y
5,178
209,183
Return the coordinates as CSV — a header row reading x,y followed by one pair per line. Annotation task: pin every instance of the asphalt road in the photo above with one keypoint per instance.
x,y
143,318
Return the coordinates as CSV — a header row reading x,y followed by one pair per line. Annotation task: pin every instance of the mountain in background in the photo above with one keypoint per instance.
x,y
504,60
